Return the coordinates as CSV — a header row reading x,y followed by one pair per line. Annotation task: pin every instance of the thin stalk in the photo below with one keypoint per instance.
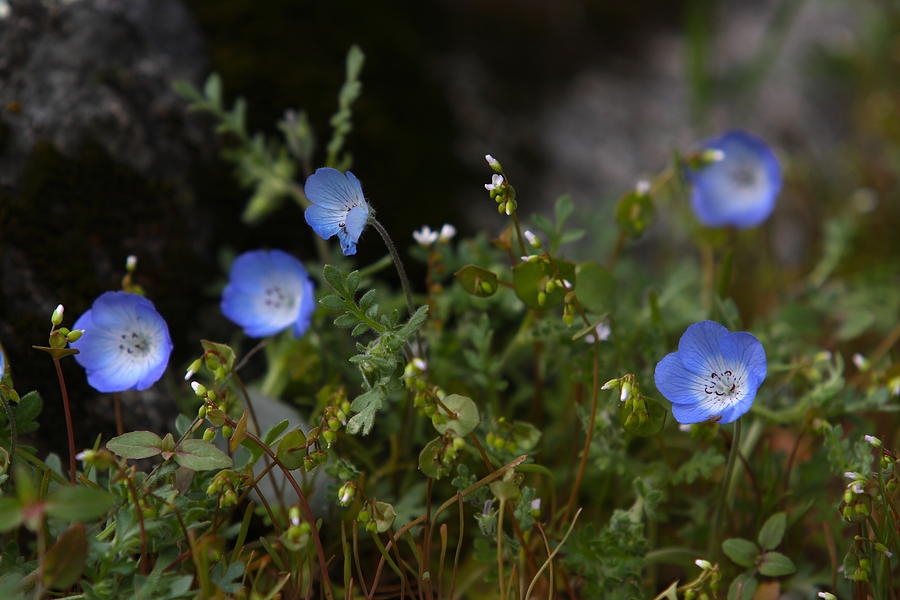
x,y
522,247
117,407
726,484
11,419
404,280
595,395
500,575
549,561
69,430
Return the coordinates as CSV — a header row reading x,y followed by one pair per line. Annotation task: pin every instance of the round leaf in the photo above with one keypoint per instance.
x,y
79,503
772,531
596,287
476,280
135,444
741,551
530,280
467,417
199,455
292,449
743,587
429,462
776,564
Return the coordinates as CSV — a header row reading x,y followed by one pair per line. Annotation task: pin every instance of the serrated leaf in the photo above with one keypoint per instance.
x,y
365,405
335,279
596,287
65,560
79,503
292,449
346,320
476,280
776,564
135,444
741,551
199,455
772,531
467,417
333,302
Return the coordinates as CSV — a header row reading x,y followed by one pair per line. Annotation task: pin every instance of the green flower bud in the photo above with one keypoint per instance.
x,y
227,430
209,435
74,335
57,316
363,516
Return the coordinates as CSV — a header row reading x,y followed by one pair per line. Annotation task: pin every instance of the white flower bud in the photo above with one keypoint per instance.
x,y
447,233
536,504
57,316
198,388
826,596
642,187
703,564
419,364
533,240
491,161
131,263
874,441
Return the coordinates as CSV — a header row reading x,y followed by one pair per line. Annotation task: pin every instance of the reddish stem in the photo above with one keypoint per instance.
x,y
69,431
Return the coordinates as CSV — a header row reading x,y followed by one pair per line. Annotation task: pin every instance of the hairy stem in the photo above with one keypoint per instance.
x,y
69,431
722,506
401,271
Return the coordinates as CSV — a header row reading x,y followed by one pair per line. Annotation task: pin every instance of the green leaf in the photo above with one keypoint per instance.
x,y
10,514
79,503
476,280
333,302
634,212
741,551
429,462
414,322
272,434
772,531
596,287
365,405
530,282
467,417
346,320
28,408
384,515
563,210
776,564
65,560
701,464
222,351
367,300
353,282
135,444
199,455
335,278
647,424
292,449
213,89
743,587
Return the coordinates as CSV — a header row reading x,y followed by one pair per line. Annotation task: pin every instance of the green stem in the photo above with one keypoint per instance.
x,y
500,575
723,497
522,247
404,280
11,419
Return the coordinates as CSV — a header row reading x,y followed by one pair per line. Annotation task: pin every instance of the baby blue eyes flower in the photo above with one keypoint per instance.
x,y
713,376
338,207
126,343
268,291
2,364
741,188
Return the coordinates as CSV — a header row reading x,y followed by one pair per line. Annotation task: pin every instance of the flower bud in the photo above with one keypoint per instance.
x,y
533,240
199,388
874,441
493,163
703,564
192,369
209,435
74,335
57,316
131,263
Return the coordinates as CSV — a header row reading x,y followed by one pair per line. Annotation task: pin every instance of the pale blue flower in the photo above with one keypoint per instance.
x,y
2,364
338,206
741,188
713,376
267,292
126,343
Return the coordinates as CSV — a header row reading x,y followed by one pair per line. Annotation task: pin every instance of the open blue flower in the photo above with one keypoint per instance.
x,y
2,364
126,343
338,206
268,291
713,376
741,188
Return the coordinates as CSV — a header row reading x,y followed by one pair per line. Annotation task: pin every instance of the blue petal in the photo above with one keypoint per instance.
x,y
691,413
2,364
329,188
326,222
744,350
307,308
718,198
734,412
677,384
699,349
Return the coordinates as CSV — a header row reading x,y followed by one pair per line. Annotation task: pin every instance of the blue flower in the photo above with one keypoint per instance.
x,y
713,376
338,206
126,343
2,364
741,188
268,291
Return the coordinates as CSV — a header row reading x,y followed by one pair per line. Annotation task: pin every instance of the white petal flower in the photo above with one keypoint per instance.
x,y
496,182
491,161
642,187
426,236
448,232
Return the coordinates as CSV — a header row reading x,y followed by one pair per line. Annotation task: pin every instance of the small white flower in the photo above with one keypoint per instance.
x,y
713,155
532,239
425,236
857,488
642,188
84,453
447,233
346,496
826,596
852,475
626,391
874,441
610,384
419,364
888,553
198,388
491,161
57,316
496,182
536,504
567,284
130,262
188,375
703,564
602,332
860,361
685,427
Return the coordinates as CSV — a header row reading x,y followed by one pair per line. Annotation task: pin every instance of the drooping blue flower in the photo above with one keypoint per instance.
x,y
126,343
2,364
338,206
713,376
267,292
741,188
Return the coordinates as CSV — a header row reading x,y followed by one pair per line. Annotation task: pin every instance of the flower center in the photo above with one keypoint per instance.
x,y
135,344
722,384
277,299
744,176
